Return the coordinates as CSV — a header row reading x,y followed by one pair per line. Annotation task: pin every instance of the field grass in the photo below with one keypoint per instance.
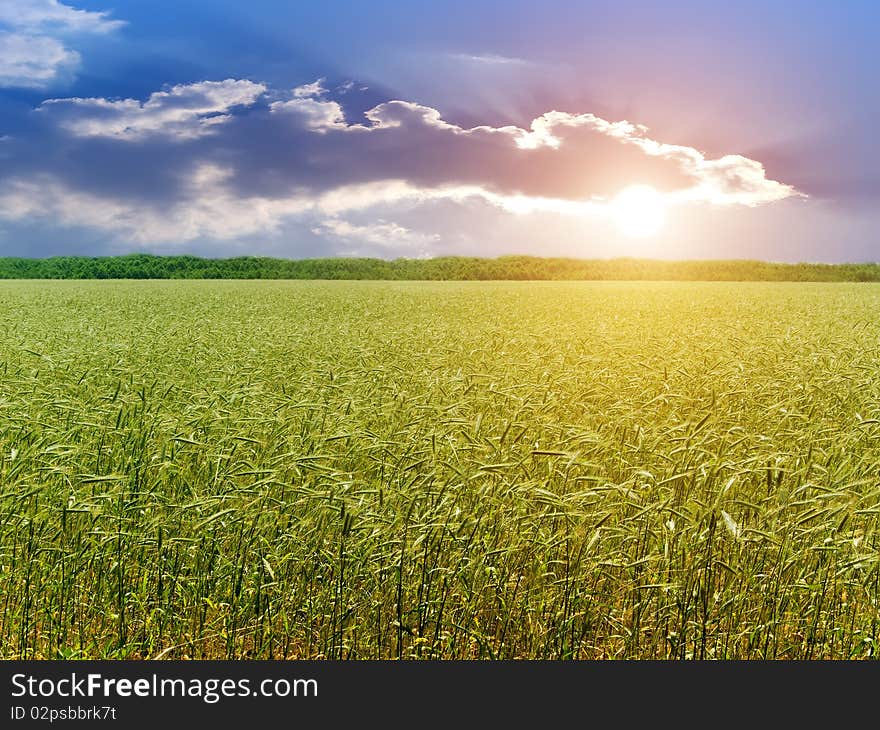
x,y
470,470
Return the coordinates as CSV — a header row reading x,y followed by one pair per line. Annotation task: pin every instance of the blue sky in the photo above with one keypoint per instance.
x,y
477,128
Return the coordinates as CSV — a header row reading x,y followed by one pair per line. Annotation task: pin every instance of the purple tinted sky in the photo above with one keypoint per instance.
x,y
91,163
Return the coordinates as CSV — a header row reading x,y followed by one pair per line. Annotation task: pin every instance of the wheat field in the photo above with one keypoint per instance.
x,y
480,470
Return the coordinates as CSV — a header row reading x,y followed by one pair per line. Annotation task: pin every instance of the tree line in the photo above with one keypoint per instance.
x,y
458,268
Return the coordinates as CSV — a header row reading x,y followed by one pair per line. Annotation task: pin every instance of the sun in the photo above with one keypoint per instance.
x,y
639,211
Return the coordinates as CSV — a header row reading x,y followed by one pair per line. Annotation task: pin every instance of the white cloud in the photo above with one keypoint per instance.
x,y
302,162
30,15
735,180
33,40
316,88
33,61
382,235
317,114
491,59
728,180
541,131
184,112
206,210
209,209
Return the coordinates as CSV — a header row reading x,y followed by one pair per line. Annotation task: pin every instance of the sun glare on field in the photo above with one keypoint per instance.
x,y
639,211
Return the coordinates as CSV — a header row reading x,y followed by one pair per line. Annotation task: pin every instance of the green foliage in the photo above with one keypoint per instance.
x,y
456,268
455,470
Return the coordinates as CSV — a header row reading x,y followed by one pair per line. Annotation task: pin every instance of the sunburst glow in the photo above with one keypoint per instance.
x,y
639,211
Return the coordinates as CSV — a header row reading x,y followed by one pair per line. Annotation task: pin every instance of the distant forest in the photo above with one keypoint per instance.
x,y
458,268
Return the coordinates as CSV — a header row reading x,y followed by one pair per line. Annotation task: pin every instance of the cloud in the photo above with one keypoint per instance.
x,y
314,112
50,15
33,61
490,59
33,49
316,88
565,155
184,112
223,160
383,235
205,209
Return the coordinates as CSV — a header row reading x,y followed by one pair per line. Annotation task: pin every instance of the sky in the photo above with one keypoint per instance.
x,y
681,129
